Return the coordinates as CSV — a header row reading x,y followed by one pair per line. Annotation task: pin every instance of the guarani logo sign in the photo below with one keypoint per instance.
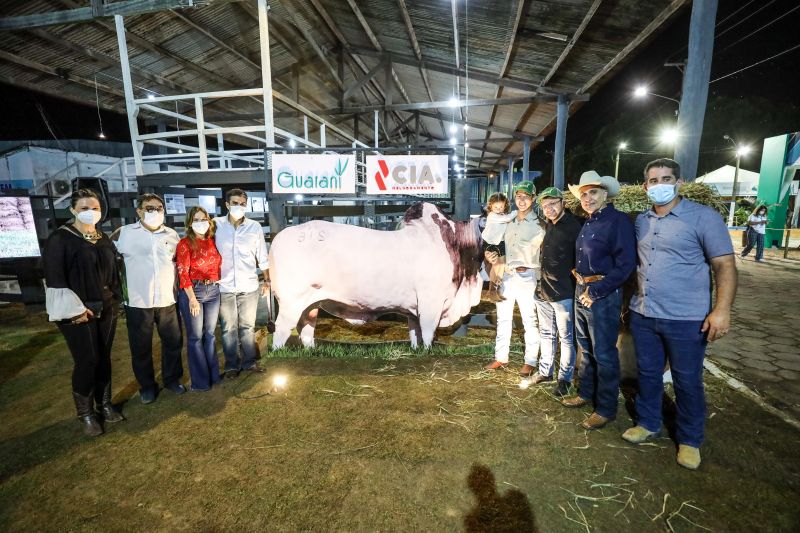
x,y
406,176
332,180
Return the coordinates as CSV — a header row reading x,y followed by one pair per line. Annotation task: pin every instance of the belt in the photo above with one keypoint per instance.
x,y
522,269
583,280
205,281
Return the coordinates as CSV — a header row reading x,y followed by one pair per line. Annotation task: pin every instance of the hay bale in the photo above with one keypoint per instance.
x,y
632,199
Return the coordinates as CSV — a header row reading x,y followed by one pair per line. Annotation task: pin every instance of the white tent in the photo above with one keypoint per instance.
x,y
722,180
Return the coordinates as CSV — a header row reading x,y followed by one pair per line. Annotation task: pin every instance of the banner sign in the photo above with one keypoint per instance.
x,y
17,230
407,174
313,173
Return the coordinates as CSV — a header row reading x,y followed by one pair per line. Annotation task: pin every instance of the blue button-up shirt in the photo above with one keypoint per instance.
x,y
606,245
244,252
674,277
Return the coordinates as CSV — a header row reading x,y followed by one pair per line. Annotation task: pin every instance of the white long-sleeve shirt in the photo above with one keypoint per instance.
x,y
244,253
496,226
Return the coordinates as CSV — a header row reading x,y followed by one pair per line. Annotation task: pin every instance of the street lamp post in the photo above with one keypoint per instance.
x,y
641,92
740,151
621,147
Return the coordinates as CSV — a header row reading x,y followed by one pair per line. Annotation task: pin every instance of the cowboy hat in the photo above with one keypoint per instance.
x,y
590,177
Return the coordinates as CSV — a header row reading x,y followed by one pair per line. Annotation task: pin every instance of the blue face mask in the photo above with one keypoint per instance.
x,y
663,193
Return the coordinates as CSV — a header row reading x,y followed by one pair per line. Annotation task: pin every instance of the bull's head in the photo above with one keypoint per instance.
x,y
460,238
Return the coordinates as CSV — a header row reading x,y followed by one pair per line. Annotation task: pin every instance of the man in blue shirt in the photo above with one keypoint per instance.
x,y
605,257
672,319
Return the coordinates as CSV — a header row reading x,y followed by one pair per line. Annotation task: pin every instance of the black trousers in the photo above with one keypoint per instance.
x,y
90,345
140,337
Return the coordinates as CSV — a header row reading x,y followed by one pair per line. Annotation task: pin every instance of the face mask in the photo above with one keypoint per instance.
x,y
200,228
236,212
154,219
663,193
90,217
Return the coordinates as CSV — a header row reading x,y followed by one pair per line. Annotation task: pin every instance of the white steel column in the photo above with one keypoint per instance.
x,y
322,140
266,73
376,128
224,161
130,106
201,134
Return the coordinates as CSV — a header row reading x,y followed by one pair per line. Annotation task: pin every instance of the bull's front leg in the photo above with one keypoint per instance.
x,y
414,332
306,325
428,322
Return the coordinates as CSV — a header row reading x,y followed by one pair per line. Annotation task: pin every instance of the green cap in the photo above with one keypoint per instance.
x,y
550,192
525,186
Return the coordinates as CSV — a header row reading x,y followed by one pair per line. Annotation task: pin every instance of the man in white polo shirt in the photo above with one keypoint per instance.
x,y
241,244
148,248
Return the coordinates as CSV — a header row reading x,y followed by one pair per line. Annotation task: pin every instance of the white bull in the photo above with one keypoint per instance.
x,y
428,271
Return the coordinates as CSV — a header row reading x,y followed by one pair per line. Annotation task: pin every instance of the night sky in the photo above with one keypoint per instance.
x,y
747,31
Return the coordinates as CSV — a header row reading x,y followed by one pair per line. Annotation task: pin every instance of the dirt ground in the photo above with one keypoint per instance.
x,y
393,441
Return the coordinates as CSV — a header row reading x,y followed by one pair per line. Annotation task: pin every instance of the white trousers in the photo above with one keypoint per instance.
x,y
517,288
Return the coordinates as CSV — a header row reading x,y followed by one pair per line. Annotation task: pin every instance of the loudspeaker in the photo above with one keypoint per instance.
x,y
99,186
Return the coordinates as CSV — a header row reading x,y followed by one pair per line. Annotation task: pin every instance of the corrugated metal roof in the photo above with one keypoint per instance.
x,y
165,45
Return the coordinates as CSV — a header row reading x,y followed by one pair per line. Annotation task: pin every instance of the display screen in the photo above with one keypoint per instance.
x,y
17,231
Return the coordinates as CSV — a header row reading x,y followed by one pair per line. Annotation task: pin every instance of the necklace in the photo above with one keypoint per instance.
x,y
93,236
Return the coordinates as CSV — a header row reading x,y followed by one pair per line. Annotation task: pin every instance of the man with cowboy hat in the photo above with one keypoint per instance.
x,y
523,238
555,291
605,257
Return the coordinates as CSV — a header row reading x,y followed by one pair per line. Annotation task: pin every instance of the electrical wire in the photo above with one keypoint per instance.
x,y
97,101
757,11
755,64
47,124
759,29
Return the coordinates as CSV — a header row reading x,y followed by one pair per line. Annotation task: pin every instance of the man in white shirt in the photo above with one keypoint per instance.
x,y
523,238
148,248
241,244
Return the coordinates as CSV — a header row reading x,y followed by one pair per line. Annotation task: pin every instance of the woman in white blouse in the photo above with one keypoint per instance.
x,y
756,230
83,293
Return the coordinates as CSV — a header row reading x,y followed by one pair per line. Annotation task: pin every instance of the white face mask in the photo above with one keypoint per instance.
x,y
200,228
236,212
154,219
663,193
88,217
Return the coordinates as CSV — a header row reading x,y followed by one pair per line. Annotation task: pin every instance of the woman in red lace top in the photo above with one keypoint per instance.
x,y
198,297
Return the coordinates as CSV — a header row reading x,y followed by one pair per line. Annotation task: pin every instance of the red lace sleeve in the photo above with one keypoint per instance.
x,y
184,262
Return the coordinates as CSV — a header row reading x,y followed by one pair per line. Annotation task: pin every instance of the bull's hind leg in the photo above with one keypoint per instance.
x,y
414,332
306,325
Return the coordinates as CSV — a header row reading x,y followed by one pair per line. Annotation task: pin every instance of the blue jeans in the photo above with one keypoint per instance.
x,y
201,349
754,239
556,323
237,315
597,329
680,342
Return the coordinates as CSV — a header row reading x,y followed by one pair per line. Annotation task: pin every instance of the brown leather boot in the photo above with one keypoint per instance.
x,y
102,398
85,408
